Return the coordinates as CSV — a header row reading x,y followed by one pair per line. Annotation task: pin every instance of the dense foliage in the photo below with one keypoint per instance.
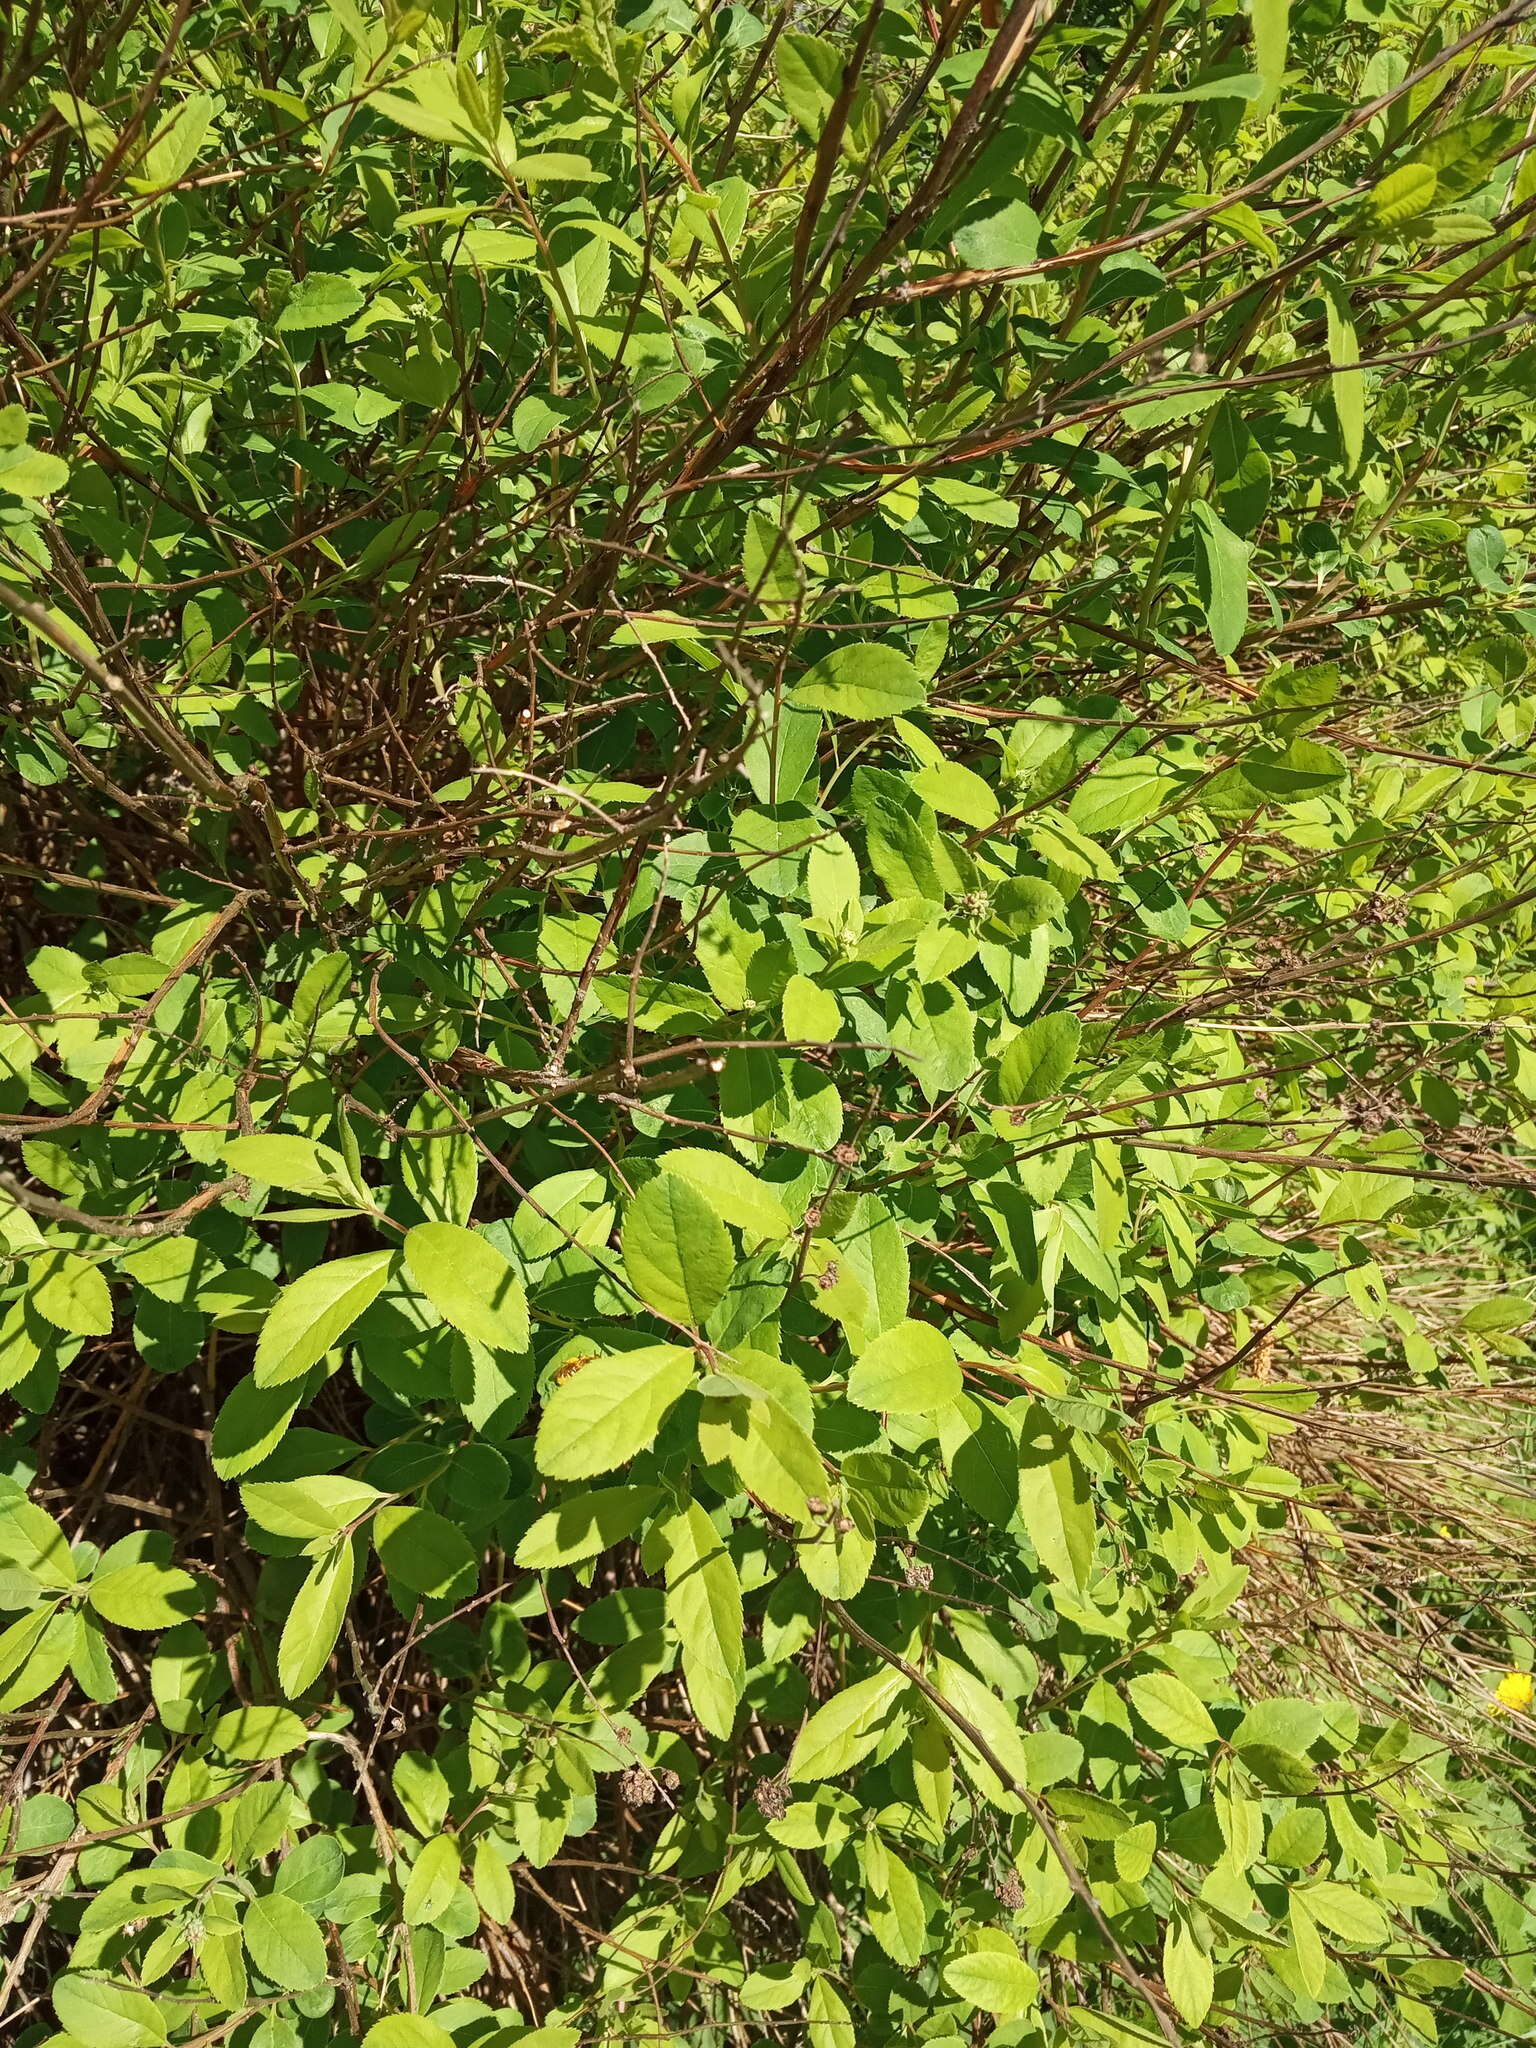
x,y
766,1025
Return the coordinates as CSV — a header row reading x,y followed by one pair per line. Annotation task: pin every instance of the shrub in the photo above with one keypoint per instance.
x,y
768,1036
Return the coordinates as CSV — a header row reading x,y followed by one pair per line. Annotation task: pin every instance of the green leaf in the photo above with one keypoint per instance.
x,y
704,1608
810,74
320,301
774,1457
1055,1504
1187,1972
92,2010
176,142
997,1725
257,1734
298,1164
898,1913
434,1879
1036,1062
147,1595
933,1030
1347,1913
1120,794
1297,1838
956,791
1271,21
1281,1770
863,679
251,1424
32,473
1168,1706
609,1410
770,564
1348,383
410,2030
845,1730
313,1312
1306,1945
676,1251
901,833
993,1981
284,1942
585,1525
31,1539
1234,85
70,1292
320,1506
909,1370
775,1985
492,1885
312,1871
315,1619
1402,195
320,987
469,1283
984,1463
1223,565
423,1550
734,1193
1001,237
828,2021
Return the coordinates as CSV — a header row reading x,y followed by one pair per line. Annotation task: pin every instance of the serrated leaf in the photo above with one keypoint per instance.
x,y
320,1506
773,1456
910,1370
1036,1062
862,680
704,1607
314,1312
675,1250
147,1595
469,1283
1347,382
1223,565
732,1191
845,1729
993,1981
810,72
585,1525
411,2030
70,1292
320,301
284,1942
1402,195
609,1410
1055,1504
423,1550
315,1619
93,2010
1271,21
1168,1706
1187,1972
433,1881
257,1734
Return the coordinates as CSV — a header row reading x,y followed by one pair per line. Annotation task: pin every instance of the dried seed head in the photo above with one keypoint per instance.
x,y
773,1797
1010,1892
636,1786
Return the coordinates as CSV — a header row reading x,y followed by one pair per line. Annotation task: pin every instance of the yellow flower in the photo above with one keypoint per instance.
x,y
1515,1691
